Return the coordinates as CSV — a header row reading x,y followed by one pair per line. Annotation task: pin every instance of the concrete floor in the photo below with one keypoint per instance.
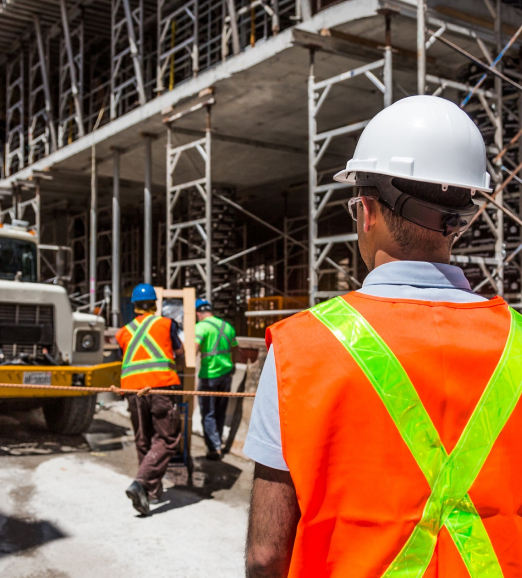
x,y
64,513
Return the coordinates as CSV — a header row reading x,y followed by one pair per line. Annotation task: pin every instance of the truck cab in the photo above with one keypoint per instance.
x,y
43,341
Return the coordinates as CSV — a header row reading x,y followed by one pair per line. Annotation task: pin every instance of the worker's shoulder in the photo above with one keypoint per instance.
x,y
165,321
303,321
298,321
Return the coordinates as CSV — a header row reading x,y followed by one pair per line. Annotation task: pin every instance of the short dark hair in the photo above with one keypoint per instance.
x,y
408,234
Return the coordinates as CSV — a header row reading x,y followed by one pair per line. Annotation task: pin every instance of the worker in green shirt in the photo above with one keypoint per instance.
x,y
217,344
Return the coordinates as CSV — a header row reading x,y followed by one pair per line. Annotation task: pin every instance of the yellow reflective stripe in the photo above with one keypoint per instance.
x,y
148,367
450,477
136,339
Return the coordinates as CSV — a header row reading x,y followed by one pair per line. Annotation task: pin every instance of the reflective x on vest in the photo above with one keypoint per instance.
x,y
141,337
449,476
215,350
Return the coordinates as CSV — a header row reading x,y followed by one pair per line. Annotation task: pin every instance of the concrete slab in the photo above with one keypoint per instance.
x,y
67,515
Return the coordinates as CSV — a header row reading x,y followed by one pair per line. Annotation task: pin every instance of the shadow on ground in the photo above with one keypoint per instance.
x,y
17,534
24,433
208,477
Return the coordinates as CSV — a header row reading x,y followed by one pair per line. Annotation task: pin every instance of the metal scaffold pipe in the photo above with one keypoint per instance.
x,y
312,178
499,141
388,65
208,206
421,46
147,213
116,242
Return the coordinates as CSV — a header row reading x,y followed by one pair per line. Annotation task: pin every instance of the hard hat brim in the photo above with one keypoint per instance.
x,y
348,176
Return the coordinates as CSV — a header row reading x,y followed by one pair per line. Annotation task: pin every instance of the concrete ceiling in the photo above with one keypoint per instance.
x,y
266,104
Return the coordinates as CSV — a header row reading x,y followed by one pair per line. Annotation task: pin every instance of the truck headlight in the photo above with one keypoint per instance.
x,y
88,341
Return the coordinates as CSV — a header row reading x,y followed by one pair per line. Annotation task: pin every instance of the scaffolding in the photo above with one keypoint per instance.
x,y
80,68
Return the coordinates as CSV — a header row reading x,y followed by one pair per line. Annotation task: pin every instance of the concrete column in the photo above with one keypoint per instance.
x,y
93,231
116,242
147,223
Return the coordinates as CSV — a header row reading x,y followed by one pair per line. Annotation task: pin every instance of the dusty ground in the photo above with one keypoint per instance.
x,y
64,513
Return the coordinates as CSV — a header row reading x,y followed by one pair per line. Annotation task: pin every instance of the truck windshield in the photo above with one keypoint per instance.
x,y
17,255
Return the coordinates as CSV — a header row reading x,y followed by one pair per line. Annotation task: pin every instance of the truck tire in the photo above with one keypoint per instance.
x,y
69,415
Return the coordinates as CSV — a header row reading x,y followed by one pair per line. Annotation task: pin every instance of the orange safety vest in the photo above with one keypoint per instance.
x,y
148,359
361,490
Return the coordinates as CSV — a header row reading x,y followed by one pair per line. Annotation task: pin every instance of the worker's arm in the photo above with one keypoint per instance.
x,y
236,354
274,514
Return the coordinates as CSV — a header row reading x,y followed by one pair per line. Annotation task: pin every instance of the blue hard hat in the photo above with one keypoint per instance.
x,y
203,303
143,292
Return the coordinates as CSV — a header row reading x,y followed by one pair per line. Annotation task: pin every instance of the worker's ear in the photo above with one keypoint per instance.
x,y
369,210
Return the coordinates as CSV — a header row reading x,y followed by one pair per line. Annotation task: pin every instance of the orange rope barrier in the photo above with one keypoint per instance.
x,y
140,392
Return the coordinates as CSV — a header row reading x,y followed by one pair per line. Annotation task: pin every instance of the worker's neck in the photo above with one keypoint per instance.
x,y
205,315
143,312
389,255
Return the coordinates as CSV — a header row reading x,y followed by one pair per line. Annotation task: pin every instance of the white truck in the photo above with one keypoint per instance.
x,y
44,342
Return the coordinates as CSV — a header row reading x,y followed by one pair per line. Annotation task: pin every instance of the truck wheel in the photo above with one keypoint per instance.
x,y
69,415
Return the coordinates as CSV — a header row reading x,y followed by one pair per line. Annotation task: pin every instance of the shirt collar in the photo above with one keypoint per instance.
x,y
418,274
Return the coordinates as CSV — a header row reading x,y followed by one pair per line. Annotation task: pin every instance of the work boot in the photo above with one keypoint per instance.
x,y
138,495
214,455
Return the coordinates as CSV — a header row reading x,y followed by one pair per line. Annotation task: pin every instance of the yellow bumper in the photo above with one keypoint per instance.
x,y
103,375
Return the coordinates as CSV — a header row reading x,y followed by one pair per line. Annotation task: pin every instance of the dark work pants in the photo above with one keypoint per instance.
x,y
214,409
157,430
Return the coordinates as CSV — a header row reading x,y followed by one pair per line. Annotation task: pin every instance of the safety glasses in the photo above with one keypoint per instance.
x,y
352,205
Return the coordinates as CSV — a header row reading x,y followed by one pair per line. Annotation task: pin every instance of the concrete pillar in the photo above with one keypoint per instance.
x,y
147,223
116,242
93,231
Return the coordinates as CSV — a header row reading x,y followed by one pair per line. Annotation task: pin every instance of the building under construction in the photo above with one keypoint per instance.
x,y
193,142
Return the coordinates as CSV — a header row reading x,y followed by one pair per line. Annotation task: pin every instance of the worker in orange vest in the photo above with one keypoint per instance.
x,y
387,425
150,345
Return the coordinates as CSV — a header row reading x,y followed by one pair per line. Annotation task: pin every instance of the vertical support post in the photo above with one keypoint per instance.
x,y
208,208
168,248
305,9
116,242
72,68
236,48
421,46
45,79
195,48
147,213
520,176
312,182
388,66
37,221
93,231
499,142
276,26
136,59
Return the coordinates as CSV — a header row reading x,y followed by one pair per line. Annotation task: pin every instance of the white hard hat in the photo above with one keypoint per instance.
x,y
422,138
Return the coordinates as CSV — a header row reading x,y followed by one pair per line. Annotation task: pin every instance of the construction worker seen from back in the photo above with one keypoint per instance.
x,y
151,350
217,344
391,446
